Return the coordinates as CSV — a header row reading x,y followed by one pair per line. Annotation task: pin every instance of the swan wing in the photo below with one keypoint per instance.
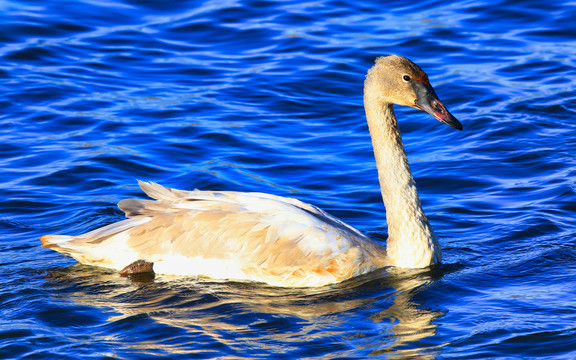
x,y
230,235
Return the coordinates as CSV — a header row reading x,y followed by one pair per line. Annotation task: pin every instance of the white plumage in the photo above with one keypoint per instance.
x,y
271,239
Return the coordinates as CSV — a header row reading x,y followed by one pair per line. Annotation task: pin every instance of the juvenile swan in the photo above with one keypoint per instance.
x,y
272,239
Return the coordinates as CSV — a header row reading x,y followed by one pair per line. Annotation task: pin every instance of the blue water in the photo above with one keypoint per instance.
x,y
267,96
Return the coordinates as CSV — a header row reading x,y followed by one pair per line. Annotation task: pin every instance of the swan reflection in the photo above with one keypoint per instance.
x,y
372,314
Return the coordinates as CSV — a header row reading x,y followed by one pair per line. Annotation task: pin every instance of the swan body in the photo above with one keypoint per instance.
x,y
272,239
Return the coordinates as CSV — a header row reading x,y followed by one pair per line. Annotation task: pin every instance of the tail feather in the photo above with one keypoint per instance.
x,y
86,248
63,244
53,241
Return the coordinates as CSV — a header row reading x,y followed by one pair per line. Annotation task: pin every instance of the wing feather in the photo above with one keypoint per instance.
x,y
252,236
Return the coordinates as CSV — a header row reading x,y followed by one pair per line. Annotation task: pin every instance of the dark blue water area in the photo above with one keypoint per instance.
x,y
267,96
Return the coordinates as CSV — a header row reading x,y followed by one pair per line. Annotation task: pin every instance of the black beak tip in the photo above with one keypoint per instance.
x,y
453,122
428,102
444,117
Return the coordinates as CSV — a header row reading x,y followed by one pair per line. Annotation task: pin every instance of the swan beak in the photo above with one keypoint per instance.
x,y
427,101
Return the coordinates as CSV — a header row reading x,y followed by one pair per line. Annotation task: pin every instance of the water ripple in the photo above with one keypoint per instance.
x,y
267,96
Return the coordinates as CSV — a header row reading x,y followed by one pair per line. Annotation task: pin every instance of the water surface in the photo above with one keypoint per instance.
x,y
267,96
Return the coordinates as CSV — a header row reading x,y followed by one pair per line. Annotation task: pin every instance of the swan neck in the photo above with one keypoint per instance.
x,y
411,242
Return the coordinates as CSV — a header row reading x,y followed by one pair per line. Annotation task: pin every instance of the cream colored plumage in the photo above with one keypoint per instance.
x,y
276,240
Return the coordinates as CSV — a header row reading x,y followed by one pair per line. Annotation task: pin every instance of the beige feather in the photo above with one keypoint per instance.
x,y
271,239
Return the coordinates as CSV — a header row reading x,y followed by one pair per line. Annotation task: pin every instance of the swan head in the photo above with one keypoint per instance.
x,y
396,80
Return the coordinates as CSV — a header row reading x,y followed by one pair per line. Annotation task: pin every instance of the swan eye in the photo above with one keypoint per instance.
x,y
406,78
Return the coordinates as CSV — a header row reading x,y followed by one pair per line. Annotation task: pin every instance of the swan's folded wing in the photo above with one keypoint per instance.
x,y
172,200
249,246
249,236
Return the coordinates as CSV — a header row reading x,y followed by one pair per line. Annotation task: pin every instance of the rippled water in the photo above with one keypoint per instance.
x,y
267,96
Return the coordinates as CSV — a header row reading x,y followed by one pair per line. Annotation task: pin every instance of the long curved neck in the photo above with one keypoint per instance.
x,y
411,241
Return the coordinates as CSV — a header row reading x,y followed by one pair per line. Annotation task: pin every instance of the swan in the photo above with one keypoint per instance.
x,y
271,239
